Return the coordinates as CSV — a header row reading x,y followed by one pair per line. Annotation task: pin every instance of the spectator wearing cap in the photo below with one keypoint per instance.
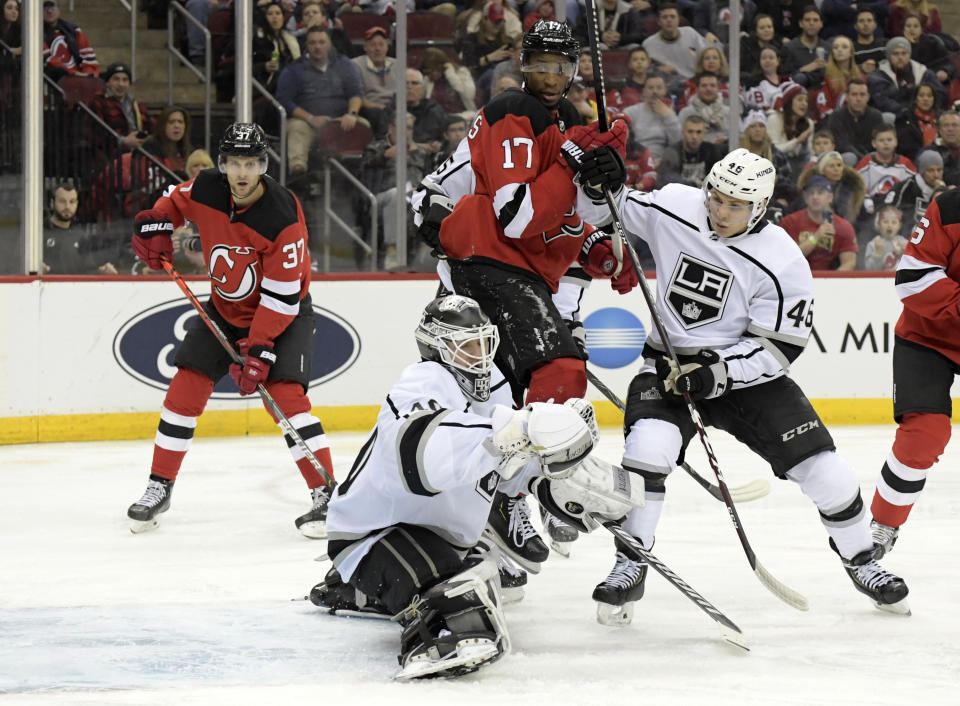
x,y
913,195
896,77
827,241
853,123
706,103
789,126
317,88
689,161
377,77
117,107
849,189
66,49
488,46
756,139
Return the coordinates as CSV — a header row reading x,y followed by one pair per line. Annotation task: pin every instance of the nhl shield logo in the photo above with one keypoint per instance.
x,y
698,290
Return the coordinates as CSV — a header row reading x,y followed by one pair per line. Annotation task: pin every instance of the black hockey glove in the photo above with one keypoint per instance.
x,y
703,379
596,169
579,334
436,208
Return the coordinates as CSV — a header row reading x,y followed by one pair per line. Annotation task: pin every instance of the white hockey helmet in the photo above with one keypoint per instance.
x,y
746,176
455,332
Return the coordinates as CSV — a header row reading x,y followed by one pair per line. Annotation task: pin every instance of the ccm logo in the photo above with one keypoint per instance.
x,y
802,429
147,227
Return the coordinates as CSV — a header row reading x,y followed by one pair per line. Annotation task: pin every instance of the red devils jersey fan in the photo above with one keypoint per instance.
x,y
926,360
510,240
254,242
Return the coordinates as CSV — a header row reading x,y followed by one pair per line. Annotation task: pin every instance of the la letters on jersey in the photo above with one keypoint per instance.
x,y
697,292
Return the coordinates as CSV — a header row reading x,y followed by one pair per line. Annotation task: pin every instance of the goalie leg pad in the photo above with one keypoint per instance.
x,y
456,627
596,487
400,564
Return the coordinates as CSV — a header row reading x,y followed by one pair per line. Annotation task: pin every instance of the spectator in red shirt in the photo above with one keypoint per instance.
x,y
66,49
117,107
826,240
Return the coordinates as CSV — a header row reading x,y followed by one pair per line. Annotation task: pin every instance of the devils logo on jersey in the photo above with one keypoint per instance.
x,y
233,271
697,292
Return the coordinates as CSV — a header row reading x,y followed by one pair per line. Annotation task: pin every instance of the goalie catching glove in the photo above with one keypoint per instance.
x,y
702,379
594,487
556,434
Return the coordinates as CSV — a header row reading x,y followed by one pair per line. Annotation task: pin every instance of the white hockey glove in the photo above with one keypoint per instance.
x,y
557,434
702,380
584,408
595,487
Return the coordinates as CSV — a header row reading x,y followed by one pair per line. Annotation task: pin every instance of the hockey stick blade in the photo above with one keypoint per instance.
x,y
779,589
639,553
751,491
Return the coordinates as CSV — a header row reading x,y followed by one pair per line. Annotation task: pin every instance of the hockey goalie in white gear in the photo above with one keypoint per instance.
x,y
414,505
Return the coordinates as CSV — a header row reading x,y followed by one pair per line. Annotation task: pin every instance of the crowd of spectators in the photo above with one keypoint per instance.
x,y
855,102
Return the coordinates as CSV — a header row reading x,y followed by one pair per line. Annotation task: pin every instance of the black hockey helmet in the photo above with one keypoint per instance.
x,y
243,140
550,37
455,332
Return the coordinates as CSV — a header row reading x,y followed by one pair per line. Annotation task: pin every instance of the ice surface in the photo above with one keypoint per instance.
x,y
209,608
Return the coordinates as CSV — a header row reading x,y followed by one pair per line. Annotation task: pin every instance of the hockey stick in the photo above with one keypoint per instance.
x,y
778,588
736,637
601,96
742,493
268,400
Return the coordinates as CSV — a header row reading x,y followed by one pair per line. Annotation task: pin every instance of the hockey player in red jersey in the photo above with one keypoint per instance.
x,y
254,241
926,359
510,241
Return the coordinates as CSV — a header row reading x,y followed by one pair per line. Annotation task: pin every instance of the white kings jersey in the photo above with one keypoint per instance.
x,y
455,179
428,462
749,297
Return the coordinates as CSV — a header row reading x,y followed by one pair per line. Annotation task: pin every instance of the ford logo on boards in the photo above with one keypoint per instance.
x,y
145,345
615,337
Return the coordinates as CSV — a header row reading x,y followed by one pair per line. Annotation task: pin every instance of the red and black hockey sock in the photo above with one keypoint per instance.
x,y
920,440
186,398
559,380
295,404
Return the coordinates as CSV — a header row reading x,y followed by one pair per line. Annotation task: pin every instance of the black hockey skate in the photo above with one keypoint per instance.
x,y
617,593
512,580
343,599
884,536
455,628
313,524
887,591
155,500
560,533
510,529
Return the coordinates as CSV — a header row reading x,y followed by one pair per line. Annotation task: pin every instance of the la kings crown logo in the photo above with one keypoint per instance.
x,y
698,291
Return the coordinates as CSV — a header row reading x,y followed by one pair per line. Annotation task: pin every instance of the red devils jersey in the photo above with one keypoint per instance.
x,y
928,279
522,212
257,257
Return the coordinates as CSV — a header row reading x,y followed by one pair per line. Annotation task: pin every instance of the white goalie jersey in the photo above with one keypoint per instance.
x,y
748,297
428,462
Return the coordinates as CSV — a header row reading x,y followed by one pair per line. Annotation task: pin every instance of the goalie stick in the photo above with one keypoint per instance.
x,y
616,237
268,400
742,493
778,588
734,635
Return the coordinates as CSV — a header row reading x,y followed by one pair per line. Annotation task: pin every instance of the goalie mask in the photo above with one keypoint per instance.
x,y
455,332
745,176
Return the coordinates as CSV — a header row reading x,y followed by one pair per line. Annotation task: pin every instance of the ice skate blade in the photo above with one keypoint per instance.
x,y
561,548
513,594
470,655
314,530
367,614
139,527
899,608
616,616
